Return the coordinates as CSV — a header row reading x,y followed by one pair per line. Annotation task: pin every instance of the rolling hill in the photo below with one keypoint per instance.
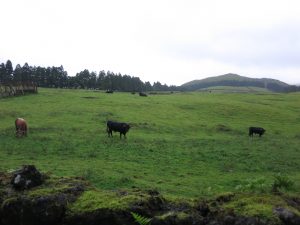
x,y
235,80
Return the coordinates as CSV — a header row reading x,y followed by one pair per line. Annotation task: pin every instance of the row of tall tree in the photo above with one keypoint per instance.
x,y
57,77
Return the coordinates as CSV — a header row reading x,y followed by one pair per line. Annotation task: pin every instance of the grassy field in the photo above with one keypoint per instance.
x,y
183,144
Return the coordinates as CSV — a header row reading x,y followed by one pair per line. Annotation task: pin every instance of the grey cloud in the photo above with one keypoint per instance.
x,y
270,47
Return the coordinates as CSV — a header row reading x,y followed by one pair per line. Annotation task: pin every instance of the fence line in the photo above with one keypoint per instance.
x,y
7,90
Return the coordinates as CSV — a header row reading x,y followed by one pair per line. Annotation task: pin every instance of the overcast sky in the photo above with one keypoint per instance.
x,y
170,41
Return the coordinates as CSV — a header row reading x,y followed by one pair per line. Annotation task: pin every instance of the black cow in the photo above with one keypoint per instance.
x,y
117,127
256,130
143,94
109,91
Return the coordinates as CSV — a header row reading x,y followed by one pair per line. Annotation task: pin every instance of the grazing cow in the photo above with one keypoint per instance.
x,y
21,127
117,127
256,130
143,94
109,91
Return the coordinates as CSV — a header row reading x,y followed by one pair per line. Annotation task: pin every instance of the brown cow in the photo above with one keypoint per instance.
x,y
21,127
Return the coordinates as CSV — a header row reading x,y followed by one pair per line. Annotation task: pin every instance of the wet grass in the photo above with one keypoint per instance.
x,y
183,144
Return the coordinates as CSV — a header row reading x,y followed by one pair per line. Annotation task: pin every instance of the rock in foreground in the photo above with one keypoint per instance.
x,y
26,178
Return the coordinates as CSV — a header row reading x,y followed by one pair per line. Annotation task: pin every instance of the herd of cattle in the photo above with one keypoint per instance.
x,y
122,128
143,94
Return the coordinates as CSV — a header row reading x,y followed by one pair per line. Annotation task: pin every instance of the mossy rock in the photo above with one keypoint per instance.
x,y
96,206
45,204
259,206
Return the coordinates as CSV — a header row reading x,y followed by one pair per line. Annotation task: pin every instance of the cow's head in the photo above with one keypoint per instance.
x,y
126,126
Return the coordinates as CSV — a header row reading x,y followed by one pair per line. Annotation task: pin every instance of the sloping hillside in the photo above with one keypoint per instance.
x,y
235,80
231,89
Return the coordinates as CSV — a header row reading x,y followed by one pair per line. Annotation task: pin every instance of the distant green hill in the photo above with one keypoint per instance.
x,y
235,80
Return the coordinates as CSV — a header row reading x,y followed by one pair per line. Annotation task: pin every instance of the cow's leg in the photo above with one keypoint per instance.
x,y
109,132
20,133
25,130
17,130
17,133
120,135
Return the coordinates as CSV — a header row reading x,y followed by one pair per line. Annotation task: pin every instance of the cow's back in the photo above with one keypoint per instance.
x,y
256,130
20,122
119,127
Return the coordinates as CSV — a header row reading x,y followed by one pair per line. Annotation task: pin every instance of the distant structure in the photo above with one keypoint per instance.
x,y
16,89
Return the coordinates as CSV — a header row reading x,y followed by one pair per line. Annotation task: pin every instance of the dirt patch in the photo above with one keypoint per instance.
x,y
223,128
90,97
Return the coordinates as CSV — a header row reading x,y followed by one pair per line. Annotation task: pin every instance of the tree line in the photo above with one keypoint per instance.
x,y
57,77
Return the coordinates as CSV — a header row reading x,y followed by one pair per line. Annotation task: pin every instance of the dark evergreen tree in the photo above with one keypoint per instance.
x,y
8,72
148,86
83,78
26,73
40,75
2,72
157,86
100,80
92,82
18,73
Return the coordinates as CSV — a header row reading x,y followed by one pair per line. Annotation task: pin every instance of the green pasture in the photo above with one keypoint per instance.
x,y
183,144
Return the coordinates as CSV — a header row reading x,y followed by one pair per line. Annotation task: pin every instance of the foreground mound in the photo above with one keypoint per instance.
x,y
73,201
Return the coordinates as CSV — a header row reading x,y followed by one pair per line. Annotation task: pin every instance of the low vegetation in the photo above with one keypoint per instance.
x,y
73,201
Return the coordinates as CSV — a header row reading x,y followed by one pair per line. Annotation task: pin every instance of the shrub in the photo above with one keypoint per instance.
x,y
140,219
282,182
258,185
